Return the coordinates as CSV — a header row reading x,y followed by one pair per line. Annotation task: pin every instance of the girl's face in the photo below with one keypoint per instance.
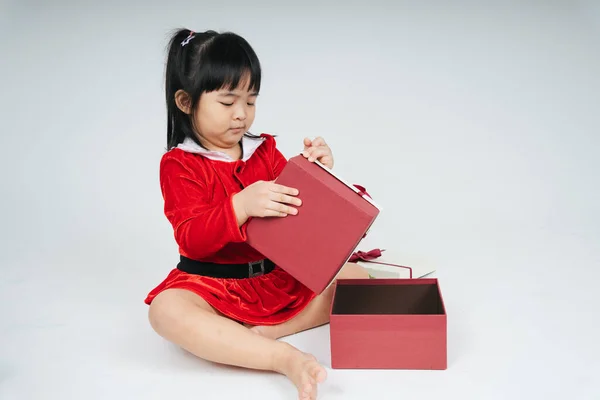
x,y
222,117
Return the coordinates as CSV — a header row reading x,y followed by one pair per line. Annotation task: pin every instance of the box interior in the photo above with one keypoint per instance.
x,y
352,299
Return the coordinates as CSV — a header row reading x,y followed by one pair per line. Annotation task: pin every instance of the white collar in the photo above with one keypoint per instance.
x,y
249,146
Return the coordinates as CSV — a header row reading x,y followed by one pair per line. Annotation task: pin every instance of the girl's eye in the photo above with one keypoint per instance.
x,y
230,104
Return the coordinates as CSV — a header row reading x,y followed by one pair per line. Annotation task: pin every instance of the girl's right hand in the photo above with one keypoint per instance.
x,y
265,199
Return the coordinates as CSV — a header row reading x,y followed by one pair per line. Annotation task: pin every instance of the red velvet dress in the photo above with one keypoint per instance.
x,y
197,191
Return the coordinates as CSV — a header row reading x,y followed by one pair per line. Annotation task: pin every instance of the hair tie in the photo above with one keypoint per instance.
x,y
187,39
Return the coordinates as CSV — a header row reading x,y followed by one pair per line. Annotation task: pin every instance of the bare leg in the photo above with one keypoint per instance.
x,y
316,313
188,321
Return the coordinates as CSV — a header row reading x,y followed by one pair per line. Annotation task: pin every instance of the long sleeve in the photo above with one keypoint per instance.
x,y
278,159
201,228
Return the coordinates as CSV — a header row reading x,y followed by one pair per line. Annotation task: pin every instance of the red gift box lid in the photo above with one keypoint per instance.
x,y
315,244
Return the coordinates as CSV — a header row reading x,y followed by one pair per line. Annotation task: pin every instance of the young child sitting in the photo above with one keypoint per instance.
x,y
214,176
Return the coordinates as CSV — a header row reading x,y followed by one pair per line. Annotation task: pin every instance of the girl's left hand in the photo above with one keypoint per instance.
x,y
318,150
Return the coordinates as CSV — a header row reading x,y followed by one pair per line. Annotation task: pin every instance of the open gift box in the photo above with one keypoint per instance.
x,y
388,324
375,323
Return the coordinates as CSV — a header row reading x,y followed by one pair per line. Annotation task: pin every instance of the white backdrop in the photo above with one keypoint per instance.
x,y
474,126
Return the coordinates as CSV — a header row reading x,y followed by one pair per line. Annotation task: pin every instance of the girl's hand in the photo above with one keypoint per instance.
x,y
265,199
318,150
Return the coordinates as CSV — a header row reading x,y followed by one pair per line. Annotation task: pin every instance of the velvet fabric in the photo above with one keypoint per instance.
x,y
197,193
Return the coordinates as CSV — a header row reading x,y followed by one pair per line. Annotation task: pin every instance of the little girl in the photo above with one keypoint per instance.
x,y
214,177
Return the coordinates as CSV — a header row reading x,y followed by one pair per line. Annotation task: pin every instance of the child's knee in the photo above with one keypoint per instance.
x,y
162,310
170,308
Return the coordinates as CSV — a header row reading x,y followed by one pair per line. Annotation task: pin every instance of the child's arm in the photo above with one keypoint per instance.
x,y
201,229
279,161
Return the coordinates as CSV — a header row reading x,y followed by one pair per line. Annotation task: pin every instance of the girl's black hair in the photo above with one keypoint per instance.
x,y
201,62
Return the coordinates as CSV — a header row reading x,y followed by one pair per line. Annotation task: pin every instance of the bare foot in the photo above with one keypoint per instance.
x,y
304,371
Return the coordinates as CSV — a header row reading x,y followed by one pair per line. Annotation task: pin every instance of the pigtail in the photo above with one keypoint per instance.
x,y
174,80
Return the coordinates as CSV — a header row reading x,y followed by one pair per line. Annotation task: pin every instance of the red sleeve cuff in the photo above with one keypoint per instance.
x,y
238,234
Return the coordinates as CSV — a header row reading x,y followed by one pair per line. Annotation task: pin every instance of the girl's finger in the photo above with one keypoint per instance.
x,y
307,143
277,188
307,152
285,199
282,208
319,142
273,213
318,153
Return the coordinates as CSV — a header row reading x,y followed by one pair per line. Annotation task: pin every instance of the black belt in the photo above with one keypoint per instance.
x,y
226,271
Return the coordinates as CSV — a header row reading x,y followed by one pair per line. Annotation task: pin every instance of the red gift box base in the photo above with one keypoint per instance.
x,y
388,324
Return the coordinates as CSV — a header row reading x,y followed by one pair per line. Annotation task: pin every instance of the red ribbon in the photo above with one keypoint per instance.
x,y
373,254
362,191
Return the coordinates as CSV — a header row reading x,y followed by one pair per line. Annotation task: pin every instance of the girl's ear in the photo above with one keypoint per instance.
x,y
183,101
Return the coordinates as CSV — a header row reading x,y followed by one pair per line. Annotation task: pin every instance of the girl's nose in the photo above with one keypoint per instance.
x,y
240,113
